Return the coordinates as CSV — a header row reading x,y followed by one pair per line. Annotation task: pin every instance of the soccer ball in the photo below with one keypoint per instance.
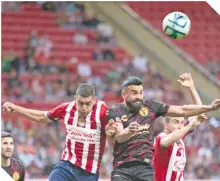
x,y
176,25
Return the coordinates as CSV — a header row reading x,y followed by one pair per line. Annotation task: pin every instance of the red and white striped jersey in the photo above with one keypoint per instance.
x,y
85,140
169,163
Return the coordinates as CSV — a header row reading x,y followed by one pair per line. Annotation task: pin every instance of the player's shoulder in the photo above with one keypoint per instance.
x,y
150,102
15,161
161,135
66,104
102,103
117,106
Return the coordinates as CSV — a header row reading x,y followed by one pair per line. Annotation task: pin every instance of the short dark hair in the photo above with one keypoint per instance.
x,y
85,90
166,119
5,134
131,80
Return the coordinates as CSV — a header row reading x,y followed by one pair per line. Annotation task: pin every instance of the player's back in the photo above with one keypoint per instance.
x,y
15,170
169,162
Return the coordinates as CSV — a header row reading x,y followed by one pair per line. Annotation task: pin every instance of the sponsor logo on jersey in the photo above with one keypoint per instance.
x,y
124,118
143,111
81,122
16,176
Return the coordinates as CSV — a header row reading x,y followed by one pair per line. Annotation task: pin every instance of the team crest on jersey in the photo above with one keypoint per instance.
x,y
124,118
81,122
16,176
143,111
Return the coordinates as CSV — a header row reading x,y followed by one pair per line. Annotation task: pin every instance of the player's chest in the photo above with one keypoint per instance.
x,y
143,116
178,151
91,121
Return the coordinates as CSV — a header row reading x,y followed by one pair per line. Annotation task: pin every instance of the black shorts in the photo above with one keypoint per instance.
x,y
133,171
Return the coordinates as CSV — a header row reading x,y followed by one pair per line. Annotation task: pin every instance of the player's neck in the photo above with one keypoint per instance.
x,y
5,162
129,109
166,131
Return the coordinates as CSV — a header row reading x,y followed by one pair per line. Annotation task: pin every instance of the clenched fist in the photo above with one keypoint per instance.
x,y
9,107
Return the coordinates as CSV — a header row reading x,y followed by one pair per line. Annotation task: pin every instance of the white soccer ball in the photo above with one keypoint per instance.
x,y
176,25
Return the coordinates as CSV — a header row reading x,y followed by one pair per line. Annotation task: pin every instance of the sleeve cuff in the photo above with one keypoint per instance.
x,y
48,115
168,107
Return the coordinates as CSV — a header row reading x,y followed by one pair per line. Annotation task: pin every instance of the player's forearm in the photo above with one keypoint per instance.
x,y
193,110
195,96
34,115
29,111
110,140
123,135
175,136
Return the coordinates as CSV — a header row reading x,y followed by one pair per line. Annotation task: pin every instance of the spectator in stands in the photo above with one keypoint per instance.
x,y
91,21
32,41
108,54
10,62
80,38
44,48
11,6
48,6
84,70
98,55
103,54
140,62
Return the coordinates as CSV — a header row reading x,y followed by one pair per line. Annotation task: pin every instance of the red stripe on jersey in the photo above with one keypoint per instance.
x,y
79,153
103,112
92,146
90,157
181,175
173,177
72,111
93,116
103,122
69,149
102,147
64,152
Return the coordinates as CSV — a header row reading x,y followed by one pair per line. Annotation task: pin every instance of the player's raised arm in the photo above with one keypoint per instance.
x,y
34,115
171,138
186,81
191,110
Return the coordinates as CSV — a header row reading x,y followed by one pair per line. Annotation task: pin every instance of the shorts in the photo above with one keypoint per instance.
x,y
133,171
66,171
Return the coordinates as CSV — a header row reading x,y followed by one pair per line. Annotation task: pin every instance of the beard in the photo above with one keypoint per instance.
x,y
134,106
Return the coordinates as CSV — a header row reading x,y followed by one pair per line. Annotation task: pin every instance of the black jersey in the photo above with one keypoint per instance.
x,y
139,147
15,170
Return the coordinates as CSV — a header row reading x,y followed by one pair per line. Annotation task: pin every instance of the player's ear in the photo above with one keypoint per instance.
x,y
94,98
123,93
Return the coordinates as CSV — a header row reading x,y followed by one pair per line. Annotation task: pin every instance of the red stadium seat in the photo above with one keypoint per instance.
x,y
206,30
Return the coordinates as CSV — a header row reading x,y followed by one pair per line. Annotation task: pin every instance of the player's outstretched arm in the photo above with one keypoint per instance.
x,y
178,134
192,110
34,115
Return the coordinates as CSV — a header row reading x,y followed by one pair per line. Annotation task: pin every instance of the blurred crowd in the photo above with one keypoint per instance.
x,y
37,77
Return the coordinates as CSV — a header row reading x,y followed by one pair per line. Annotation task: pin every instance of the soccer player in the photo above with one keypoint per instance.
x,y
12,166
85,121
133,154
169,148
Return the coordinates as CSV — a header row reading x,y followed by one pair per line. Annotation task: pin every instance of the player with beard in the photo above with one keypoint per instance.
x,y
12,166
133,153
